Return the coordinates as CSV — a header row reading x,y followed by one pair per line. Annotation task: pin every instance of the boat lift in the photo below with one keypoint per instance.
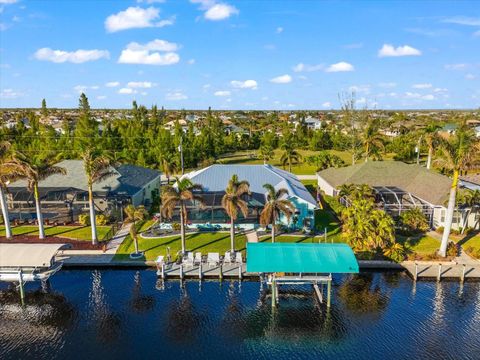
x,y
21,263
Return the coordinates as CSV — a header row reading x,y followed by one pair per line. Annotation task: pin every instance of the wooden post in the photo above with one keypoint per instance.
x,y
22,290
163,270
415,277
181,271
462,279
200,274
274,290
220,274
329,290
240,271
439,277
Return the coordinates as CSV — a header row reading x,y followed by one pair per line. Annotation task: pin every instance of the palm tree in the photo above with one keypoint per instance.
x,y
460,152
135,214
471,199
97,168
266,152
290,155
372,139
179,195
35,170
169,167
275,206
431,138
232,202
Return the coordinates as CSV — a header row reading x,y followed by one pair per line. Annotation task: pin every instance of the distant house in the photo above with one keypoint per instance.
x,y
398,187
313,123
471,181
67,195
215,178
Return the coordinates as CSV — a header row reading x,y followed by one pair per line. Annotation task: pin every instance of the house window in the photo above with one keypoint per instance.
x,y
456,217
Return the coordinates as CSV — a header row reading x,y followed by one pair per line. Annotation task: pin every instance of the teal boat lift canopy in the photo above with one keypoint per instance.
x,y
300,258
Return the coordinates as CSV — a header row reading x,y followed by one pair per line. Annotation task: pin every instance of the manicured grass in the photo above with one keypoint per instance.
x,y
472,246
421,245
82,233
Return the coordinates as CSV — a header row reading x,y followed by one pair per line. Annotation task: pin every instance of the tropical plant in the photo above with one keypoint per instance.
x,y
471,200
325,160
232,202
178,195
461,151
97,168
266,152
356,191
290,155
134,214
169,166
414,221
276,205
396,252
431,138
372,140
35,169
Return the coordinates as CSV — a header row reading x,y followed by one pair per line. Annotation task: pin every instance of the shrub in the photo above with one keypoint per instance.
x,y
452,249
84,219
176,226
413,221
101,219
396,252
439,229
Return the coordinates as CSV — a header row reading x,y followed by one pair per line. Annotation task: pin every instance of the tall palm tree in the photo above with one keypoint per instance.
x,y
372,139
275,206
34,170
169,167
471,199
266,152
97,168
461,152
232,202
135,214
179,195
431,138
290,155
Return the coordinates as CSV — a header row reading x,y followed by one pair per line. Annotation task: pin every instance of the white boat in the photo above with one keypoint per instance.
x,y
29,262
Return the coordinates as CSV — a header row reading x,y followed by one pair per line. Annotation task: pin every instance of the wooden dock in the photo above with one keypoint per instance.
x,y
442,270
230,271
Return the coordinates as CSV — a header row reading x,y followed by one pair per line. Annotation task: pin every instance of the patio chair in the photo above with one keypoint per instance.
x,y
188,261
213,259
238,257
228,258
198,258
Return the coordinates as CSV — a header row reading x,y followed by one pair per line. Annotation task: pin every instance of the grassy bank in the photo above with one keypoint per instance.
x,y
82,233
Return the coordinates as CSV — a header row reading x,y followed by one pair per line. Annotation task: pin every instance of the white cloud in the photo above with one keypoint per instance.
x,y
176,95
216,11
359,89
388,50
279,30
191,61
340,67
463,20
422,86
247,84
470,77
151,1
140,84
222,93
456,66
387,85
301,67
76,57
136,17
126,91
112,84
83,88
282,79
156,52
410,95
327,104
476,33
101,97
9,94
439,90
8,1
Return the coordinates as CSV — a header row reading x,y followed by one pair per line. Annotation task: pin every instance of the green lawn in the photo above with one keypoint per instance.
x,y
72,232
421,245
472,246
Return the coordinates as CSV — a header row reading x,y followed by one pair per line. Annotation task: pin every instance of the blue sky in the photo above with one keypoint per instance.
x,y
240,54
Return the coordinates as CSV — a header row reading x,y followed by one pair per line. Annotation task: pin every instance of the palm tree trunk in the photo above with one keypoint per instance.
x,y
465,221
93,221
133,232
449,215
6,217
182,228
232,234
289,165
429,159
273,231
38,206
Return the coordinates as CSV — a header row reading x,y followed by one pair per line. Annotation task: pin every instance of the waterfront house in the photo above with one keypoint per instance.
x,y
64,197
399,186
215,178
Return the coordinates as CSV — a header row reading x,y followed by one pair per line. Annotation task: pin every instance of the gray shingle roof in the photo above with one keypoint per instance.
x,y
215,178
424,184
127,178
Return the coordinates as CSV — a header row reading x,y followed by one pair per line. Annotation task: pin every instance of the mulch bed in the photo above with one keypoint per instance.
x,y
76,244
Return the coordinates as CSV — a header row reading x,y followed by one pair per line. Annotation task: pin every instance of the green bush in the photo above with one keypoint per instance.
x,y
84,219
439,229
101,219
452,249
176,226
413,221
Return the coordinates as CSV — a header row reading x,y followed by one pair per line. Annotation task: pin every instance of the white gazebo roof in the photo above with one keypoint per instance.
x,y
27,255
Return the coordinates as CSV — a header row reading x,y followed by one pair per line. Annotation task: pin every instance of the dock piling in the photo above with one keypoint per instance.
x,y
416,272
181,271
220,274
462,279
20,282
240,271
329,292
200,274
163,271
439,276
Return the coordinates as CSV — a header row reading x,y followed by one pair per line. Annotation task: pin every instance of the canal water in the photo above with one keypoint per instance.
x,y
113,314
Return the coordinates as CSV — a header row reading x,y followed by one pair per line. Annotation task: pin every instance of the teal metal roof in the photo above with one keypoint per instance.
x,y
300,258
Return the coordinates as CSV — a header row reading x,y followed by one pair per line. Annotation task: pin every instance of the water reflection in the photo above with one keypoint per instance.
x,y
360,294
140,303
